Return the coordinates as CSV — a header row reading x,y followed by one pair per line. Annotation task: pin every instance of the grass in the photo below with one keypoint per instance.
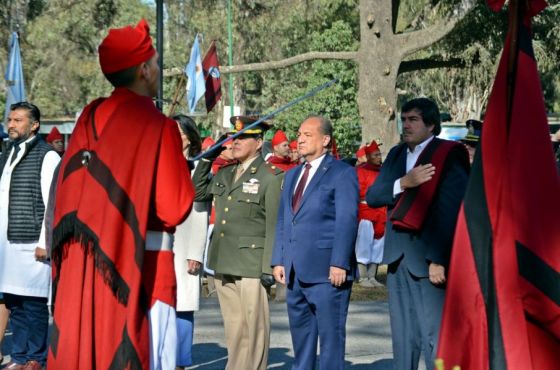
x,y
359,293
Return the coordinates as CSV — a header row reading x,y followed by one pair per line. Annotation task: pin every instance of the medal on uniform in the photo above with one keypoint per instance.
x,y
251,186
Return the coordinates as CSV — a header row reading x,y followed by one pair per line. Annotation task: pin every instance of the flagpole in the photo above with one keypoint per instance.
x,y
178,95
269,115
230,59
159,45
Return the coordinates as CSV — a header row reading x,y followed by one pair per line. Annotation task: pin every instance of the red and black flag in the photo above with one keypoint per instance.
x,y
212,76
502,308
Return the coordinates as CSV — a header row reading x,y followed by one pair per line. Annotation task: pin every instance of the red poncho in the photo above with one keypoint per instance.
x,y
378,216
124,172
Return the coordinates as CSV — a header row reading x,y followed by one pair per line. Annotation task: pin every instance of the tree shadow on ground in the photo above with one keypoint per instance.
x,y
383,364
211,356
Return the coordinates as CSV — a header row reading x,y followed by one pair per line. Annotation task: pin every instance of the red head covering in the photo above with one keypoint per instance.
x,y
126,47
372,148
334,152
293,144
361,152
207,143
54,135
279,137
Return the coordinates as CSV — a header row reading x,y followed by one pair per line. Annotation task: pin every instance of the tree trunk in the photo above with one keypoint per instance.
x,y
377,96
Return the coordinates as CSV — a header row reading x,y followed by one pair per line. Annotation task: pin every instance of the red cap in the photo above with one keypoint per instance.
x,y
126,47
372,148
334,152
54,135
279,137
361,152
207,143
293,144
228,142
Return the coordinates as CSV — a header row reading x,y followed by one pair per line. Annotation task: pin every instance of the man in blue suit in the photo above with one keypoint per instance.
x,y
314,247
422,182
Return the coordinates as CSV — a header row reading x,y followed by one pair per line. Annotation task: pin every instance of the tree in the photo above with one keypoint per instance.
x,y
380,57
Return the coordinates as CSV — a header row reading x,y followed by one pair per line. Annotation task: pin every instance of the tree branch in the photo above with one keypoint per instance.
x,y
411,42
420,64
283,63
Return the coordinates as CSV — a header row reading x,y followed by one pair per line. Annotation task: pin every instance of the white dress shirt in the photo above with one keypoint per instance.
x,y
411,159
314,167
18,257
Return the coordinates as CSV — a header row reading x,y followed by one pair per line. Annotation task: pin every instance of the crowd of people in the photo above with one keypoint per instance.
x,y
116,235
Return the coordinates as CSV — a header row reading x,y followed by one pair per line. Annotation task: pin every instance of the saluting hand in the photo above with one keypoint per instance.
x,y
417,176
278,273
337,276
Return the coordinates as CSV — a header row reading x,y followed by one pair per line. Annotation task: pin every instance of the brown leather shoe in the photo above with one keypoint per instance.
x,y
32,365
13,366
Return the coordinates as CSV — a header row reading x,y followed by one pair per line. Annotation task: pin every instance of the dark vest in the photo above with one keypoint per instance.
x,y
27,208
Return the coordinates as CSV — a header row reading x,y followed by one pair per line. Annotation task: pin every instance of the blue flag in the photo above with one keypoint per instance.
x,y
14,76
196,86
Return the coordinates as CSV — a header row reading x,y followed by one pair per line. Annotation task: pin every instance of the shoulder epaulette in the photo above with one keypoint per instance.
x,y
273,169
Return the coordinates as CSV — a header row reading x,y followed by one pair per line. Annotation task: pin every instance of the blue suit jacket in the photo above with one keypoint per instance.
x,y
322,232
433,243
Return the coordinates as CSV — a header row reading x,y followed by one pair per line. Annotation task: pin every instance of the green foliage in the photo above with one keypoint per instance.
x,y
59,40
478,40
337,103
61,65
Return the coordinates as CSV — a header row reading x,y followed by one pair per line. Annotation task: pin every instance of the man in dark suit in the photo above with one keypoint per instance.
x,y
314,247
422,182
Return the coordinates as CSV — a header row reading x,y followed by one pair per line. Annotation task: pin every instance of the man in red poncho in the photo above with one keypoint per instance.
x,y
369,242
123,187
281,152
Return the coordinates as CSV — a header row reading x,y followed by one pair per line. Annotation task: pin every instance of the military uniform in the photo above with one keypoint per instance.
x,y
246,212
240,251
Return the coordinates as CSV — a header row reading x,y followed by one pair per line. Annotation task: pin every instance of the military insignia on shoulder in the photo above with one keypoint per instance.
x,y
273,169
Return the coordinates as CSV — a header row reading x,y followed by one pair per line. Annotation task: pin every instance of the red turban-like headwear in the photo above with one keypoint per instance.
x,y
372,148
361,152
279,137
54,135
293,144
207,143
126,47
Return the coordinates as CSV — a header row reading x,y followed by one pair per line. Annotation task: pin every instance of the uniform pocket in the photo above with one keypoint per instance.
x,y
247,204
251,242
249,198
217,188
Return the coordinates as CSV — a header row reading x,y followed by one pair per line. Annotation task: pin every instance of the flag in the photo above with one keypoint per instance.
x,y
502,308
195,84
212,76
14,76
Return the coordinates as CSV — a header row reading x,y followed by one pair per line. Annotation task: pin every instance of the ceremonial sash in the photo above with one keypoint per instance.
x,y
414,203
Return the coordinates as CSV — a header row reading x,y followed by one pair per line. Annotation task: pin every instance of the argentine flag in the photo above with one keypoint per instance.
x,y
196,86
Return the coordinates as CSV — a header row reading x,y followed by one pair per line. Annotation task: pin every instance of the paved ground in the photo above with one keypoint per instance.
x,y
368,344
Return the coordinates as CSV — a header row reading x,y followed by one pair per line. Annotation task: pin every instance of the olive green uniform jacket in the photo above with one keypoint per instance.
x,y
246,214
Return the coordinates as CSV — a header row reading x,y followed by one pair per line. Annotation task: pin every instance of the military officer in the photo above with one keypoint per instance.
x,y
246,198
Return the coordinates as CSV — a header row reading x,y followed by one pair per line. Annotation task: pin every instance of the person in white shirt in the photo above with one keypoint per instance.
x,y
26,168
422,181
